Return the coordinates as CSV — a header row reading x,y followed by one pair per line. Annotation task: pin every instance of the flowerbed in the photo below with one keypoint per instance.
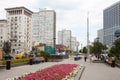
x,y
56,72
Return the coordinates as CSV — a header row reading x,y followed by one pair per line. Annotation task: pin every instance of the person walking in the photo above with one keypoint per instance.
x,y
90,57
85,57
113,62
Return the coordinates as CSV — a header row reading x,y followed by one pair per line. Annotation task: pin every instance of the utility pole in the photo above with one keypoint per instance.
x,y
88,50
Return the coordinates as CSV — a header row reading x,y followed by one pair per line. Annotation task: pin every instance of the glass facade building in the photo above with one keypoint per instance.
x,y
111,22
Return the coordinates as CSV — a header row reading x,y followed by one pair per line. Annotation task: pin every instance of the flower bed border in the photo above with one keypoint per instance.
x,y
74,75
79,74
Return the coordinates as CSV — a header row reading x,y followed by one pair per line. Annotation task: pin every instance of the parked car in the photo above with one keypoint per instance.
x,y
7,56
77,57
19,55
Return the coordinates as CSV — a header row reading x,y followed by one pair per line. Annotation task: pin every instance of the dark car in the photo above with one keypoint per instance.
x,y
77,57
7,56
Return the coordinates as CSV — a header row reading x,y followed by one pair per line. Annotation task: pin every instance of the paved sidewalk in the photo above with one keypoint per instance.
x,y
20,70
99,71
93,71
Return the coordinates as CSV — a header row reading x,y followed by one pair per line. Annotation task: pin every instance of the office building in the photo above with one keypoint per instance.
x,y
100,35
111,22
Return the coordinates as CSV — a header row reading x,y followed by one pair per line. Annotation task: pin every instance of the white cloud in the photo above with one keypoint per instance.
x,y
71,14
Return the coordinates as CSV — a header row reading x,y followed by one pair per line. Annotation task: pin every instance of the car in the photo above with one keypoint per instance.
x,y
77,57
19,55
7,56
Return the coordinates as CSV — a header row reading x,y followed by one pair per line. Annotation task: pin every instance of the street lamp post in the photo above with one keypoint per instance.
x,y
88,50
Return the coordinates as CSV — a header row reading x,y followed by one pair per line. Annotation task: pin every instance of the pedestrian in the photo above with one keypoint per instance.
x,y
113,62
90,57
85,57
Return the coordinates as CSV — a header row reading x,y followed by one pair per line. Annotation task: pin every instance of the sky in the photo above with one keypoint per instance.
x,y
70,14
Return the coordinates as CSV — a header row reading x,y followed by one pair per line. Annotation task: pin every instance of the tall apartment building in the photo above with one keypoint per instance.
x,y
100,35
77,45
111,21
74,43
19,28
64,38
44,27
3,32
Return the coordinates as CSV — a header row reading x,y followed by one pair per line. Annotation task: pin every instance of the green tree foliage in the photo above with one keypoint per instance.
x,y
91,48
80,50
98,47
84,50
7,47
45,54
115,50
104,47
41,44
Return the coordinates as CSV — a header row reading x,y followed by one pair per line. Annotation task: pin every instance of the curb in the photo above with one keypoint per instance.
x,y
14,65
117,65
78,76
83,68
19,64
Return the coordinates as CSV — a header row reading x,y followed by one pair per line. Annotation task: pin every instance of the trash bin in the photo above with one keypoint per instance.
x,y
31,61
8,65
8,61
46,59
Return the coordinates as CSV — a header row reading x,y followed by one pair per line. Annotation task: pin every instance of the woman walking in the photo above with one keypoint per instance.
x,y
85,57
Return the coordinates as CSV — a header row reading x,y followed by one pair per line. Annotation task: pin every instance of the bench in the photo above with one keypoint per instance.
x,y
41,59
38,60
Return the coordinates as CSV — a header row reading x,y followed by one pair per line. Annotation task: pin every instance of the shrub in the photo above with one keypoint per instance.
x,y
45,54
56,56
16,61
118,61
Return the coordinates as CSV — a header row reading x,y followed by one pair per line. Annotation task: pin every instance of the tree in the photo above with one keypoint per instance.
x,y
104,47
7,47
112,51
115,50
84,50
97,48
91,48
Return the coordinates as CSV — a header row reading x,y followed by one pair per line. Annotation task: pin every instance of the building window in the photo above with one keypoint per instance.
x,y
1,37
19,44
15,45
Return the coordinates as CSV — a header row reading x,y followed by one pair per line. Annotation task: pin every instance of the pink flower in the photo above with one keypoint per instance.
x,y
56,72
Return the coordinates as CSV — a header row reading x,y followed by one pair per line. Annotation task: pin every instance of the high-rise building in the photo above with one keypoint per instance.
x,y
100,35
19,28
64,38
111,21
74,43
44,27
3,32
